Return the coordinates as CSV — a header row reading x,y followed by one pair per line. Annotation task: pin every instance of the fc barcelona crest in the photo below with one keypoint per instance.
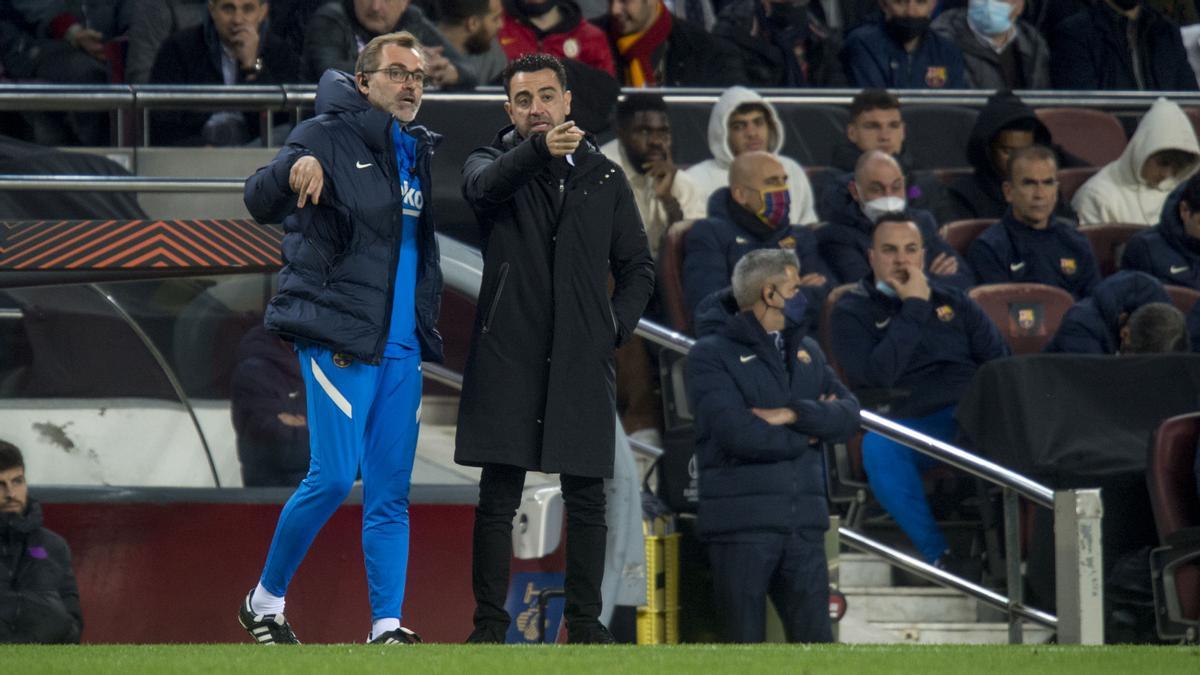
x,y
945,313
1067,265
804,357
788,242
935,77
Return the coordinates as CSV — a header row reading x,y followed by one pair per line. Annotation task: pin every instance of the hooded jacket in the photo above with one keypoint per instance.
x,y
756,476
39,599
333,37
770,59
1166,252
654,214
1011,251
571,38
339,256
1118,193
873,59
1092,52
1093,325
845,240
983,63
266,382
715,244
713,174
980,195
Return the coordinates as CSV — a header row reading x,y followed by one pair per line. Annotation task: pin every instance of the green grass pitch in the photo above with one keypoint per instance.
x,y
617,660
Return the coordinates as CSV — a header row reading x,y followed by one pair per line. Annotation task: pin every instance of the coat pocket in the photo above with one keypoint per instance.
x,y
490,317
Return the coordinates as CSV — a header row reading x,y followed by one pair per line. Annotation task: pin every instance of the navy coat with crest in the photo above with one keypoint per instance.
x,y
539,389
756,476
1011,251
339,256
1167,252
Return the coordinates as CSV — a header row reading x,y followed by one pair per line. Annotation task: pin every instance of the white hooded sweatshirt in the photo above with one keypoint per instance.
x,y
1118,193
713,174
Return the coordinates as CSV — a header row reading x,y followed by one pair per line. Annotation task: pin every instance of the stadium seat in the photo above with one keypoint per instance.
x,y
1108,242
1182,297
1094,136
948,176
670,275
1026,314
1175,565
813,131
936,135
960,233
825,329
689,131
1069,180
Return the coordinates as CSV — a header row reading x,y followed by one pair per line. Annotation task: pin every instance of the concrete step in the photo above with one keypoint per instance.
x,y
909,604
863,570
892,632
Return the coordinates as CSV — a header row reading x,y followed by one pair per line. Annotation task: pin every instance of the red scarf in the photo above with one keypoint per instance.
x,y
637,49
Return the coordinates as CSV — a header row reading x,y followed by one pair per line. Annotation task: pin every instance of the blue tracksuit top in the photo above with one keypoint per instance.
x,y
1166,252
872,59
1011,251
402,333
1093,325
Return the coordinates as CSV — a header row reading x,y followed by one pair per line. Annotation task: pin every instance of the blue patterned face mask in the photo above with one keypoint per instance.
x,y
990,17
776,205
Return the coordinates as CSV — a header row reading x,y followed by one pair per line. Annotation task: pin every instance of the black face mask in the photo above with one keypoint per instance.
x,y
785,15
535,9
1126,5
902,29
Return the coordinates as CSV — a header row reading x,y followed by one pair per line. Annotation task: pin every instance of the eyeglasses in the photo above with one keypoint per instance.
x,y
400,75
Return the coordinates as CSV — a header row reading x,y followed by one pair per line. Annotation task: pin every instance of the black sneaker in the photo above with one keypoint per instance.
x,y
398,636
592,633
487,635
266,629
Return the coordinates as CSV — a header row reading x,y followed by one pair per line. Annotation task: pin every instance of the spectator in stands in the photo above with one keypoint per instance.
x,y
1098,324
1000,50
750,214
782,43
340,29
742,121
1133,188
1120,44
922,341
554,27
1005,125
879,188
653,48
1171,251
1031,244
901,52
153,21
765,399
471,27
1156,328
642,149
230,47
39,601
269,411
876,123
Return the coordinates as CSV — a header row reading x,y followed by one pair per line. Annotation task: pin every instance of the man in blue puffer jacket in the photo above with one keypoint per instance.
x,y
1171,251
765,399
359,295
1095,324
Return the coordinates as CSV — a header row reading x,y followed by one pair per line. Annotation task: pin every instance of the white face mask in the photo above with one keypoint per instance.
x,y
875,208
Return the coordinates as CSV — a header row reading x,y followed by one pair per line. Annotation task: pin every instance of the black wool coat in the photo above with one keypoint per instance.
x,y
539,389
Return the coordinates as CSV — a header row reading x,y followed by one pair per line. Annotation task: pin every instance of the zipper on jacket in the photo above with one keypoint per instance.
x,y
491,314
324,258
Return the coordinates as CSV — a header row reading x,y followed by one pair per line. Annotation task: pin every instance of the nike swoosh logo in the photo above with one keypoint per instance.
x,y
741,240
1016,267
884,323
748,359
1177,270
360,165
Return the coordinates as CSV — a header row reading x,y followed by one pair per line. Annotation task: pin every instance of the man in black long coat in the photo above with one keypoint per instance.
x,y
538,391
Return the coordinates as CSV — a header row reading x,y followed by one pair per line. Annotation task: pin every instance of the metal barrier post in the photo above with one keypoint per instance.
x,y
1079,568
1012,554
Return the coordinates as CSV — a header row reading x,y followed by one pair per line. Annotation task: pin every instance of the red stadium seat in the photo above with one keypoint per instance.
x,y
1069,180
1175,566
1182,297
670,271
1026,314
825,329
960,233
1108,242
947,176
1094,136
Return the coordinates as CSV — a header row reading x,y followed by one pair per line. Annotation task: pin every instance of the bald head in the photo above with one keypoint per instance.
x,y
749,168
877,174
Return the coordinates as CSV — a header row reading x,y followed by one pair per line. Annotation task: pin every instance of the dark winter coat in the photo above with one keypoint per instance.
x,y
266,382
983,63
335,288
1093,325
538,389
872,59
924,351
1011,251
39,600
756,476
1091,52
772,63
924,191
845,240
193,56
1167,252
716,243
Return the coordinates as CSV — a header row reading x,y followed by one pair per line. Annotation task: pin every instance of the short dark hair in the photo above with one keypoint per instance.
x,y
456,12
635,103
368,58
10,457
531,63
1032,153
1157,328
1191,192
872,99
896,217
